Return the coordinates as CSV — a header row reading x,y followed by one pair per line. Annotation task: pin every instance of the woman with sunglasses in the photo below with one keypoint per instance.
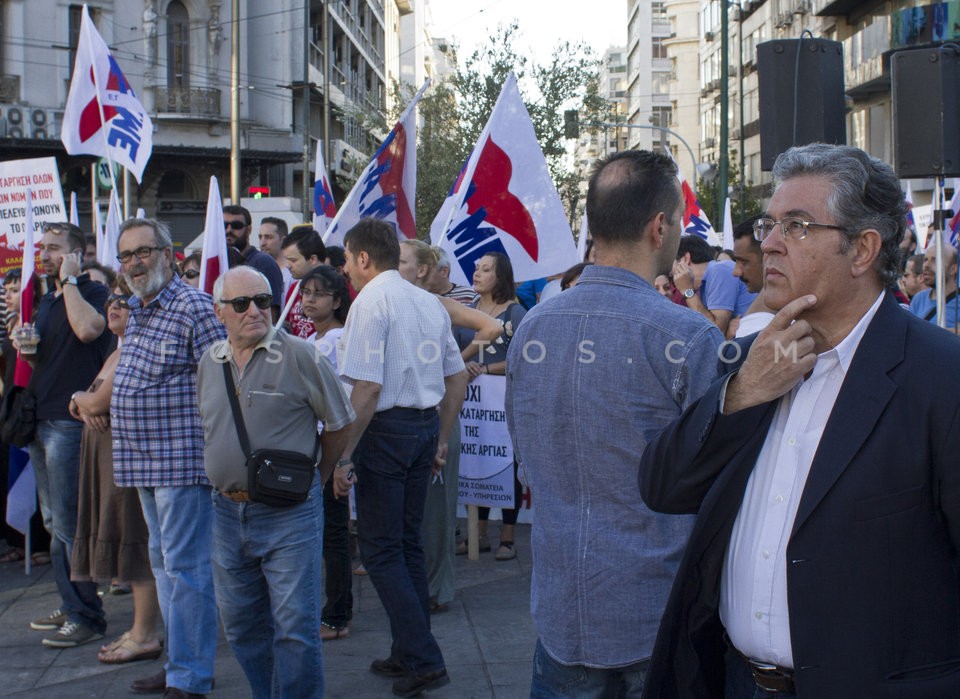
x,y
325,300
190,270
112,537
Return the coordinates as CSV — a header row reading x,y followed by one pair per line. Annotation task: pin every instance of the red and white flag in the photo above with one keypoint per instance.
x,y
107,252
213,259
695,221
103,116
506,201
324,208
22,370
388,185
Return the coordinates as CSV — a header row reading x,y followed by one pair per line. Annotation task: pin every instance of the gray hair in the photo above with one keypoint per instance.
x,y
161,231
443,259
866,194
222,279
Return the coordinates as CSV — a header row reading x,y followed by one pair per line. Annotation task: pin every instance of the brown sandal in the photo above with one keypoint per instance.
x,y
129,651
332,633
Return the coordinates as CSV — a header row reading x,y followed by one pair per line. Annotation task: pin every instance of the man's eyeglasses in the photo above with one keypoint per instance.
x,y
308,294
141,253
790,227
121,300
242,303
235,225
191,273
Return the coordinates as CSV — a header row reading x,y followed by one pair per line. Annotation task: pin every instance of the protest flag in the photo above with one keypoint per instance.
x,y
506,201
213,259
103,116
22,370
727,226
74,215
582,238
324,208
695,221
387,187
97,227
107,253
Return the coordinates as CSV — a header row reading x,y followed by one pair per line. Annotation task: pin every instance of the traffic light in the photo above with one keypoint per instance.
x,y
571,124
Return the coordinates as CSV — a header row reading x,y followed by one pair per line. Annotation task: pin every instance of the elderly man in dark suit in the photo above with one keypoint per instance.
x,y
824,559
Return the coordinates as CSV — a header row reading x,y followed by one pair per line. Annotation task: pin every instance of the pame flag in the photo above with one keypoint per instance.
x,y
695,221
324,208
505,201
103,116
388,185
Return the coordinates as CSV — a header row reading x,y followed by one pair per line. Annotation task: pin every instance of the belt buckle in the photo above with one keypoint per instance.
x,y
771,678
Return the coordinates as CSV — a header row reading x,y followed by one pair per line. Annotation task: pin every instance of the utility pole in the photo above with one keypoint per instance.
x,y
235,102
306,110
724,108
326,85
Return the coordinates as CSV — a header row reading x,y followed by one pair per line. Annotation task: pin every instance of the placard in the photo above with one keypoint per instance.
x,y
486,451
43,179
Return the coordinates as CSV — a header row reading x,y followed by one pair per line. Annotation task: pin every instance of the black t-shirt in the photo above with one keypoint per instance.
x,y
64,364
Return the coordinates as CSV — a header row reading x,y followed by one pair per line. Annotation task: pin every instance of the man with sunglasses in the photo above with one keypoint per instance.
x,y
158,448
267,560
823,561
238,225
74,344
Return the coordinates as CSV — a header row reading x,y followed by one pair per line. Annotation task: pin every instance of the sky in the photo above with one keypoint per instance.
x,y
543,23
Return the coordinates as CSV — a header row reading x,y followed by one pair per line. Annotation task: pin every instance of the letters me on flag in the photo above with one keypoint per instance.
x,y
505,201
102,115
388,185
324,208
213,259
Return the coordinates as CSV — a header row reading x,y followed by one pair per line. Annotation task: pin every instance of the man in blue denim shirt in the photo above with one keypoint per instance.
x,y
593,374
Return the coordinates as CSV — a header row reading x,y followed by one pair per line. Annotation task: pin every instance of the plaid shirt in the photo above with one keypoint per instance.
x,y
157,434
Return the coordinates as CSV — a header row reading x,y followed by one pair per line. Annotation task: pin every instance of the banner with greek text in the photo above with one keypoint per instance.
x,y
486,452
40,175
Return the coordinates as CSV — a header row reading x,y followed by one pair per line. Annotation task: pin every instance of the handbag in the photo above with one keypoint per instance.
x,y
274,476
18,416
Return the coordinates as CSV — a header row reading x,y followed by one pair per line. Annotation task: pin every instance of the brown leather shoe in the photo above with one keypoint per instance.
x,y
387,668
413,685
154,684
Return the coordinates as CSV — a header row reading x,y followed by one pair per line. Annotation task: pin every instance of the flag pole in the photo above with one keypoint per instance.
x,y
290,301
96,88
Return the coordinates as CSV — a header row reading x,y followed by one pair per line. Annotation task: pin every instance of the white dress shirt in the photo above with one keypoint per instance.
x,y
753,588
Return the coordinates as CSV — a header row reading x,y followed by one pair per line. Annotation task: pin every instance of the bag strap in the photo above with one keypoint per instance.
x,y
235,408
933,311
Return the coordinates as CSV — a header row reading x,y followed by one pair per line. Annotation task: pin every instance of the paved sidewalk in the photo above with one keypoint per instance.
x,y
487,639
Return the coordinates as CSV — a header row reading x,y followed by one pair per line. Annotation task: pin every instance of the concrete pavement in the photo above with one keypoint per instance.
x,y
487,638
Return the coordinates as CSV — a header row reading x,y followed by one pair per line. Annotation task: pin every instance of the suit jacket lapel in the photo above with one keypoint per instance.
x,y
863,397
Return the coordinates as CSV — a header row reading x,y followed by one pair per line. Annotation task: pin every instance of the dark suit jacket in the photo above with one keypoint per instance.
x,y
873,577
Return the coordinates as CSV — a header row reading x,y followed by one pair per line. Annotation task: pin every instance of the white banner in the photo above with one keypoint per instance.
x,y
486,452
40,175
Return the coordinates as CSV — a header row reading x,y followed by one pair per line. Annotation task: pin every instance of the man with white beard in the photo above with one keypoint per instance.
x,y
158,448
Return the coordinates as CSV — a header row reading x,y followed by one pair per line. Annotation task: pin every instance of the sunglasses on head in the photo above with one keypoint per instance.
x,y
122,300
191,273
242,303
235,225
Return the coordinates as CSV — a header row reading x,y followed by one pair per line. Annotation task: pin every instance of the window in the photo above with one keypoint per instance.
x,y
659,50
658,11
178,45
660,116
660,83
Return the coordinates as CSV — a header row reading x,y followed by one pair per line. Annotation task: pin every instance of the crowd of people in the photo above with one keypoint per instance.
x,y
724,505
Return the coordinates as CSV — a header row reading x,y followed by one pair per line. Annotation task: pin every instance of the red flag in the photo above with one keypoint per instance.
x,y
213,261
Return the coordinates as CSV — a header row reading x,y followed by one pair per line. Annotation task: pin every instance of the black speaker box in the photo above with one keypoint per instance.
x,y
926,112
817,83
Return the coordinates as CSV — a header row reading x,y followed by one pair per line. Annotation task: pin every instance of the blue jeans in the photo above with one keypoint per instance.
x,y
267,566
338,610
55,454
739,682
180,522
552,679
393,462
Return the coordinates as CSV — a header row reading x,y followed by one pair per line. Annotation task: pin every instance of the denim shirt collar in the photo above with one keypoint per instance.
x,y
615,276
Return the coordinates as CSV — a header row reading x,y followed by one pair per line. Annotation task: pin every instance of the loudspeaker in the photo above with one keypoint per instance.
x,y
817,83
926,112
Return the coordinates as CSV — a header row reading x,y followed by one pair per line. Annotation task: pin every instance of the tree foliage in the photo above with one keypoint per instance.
x,y
712,202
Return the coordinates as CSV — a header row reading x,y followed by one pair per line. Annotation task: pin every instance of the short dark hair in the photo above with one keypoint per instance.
x,y
572,274
744,229
627,189
238,210
105,271
281,225
505,289
865,193
336,256
699,249
308,242
378,239
331,280
917,262
91,239
76,239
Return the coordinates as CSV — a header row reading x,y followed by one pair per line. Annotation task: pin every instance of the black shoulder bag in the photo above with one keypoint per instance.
x,y
18,415
274,477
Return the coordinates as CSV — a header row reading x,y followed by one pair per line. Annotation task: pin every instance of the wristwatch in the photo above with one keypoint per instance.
x,y
688,294
69,280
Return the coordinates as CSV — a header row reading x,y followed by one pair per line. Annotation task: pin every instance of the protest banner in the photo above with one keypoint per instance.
x,y
486,452
40,175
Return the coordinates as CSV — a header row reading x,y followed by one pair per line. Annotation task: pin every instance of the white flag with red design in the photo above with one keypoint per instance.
x,y
102,115
107,252
324,208
695,221
213,259
388,185
505,201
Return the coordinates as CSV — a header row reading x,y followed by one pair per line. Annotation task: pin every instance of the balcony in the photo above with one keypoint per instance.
x,y
9,89
193,101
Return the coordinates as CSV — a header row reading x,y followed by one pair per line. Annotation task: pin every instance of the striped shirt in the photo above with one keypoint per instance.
x,y
398,336
157,434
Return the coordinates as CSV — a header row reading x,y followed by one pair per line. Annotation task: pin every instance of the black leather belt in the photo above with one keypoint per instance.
x,y
771,678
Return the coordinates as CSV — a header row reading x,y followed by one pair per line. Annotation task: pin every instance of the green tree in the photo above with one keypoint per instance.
x,y
712,202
